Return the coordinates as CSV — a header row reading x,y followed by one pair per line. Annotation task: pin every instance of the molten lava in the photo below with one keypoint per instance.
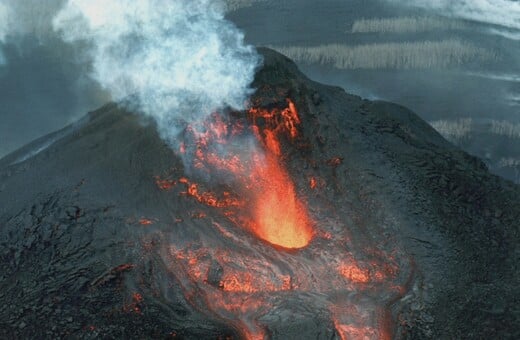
x,y
242,280
270,208
209,198
279,217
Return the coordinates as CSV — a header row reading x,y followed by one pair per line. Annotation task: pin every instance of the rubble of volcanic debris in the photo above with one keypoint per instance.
x,y
110,233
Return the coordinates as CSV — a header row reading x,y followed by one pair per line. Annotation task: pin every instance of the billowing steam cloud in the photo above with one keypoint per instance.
x,y
173,60
498,12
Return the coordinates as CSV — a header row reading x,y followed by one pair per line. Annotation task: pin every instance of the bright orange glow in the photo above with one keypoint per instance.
x,y
271,142
354,274
270,208
165,184
280,217
349,332
238,174
239,284
248,283
313,183
145,221
209,198
286,120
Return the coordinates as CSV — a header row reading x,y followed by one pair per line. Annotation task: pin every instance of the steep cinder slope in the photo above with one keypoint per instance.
x,y
88,234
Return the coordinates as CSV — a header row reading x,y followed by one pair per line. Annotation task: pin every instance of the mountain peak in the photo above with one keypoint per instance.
x,y
128,237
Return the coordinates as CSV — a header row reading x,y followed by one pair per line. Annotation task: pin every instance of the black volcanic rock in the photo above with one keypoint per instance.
x,y
85,230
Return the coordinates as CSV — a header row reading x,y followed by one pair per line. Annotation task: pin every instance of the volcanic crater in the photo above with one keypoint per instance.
x,y
315,214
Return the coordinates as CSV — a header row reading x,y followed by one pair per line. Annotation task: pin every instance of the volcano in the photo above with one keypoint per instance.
x,y
357,221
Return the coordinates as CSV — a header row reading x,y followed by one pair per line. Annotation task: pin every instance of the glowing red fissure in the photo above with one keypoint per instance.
x,y
262,199
276,215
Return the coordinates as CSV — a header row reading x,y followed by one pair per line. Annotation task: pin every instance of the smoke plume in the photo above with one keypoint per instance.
x,y
175,61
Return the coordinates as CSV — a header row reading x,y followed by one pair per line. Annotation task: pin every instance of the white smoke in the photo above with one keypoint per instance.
x,y
497,12
174,60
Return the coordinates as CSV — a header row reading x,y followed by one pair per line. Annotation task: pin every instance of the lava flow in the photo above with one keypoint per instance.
x,y
224,270
274,212
280,217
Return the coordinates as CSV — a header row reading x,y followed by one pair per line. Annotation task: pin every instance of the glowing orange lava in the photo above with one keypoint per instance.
x,y
280,218
239,279
349,332
353,273
272,210
313,183
208,198
145,221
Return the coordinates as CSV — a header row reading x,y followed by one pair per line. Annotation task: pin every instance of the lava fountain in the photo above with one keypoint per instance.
x,y
228,150
280,218
255,251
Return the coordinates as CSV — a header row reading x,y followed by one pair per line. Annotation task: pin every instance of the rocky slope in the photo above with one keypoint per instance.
x,y
90,231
